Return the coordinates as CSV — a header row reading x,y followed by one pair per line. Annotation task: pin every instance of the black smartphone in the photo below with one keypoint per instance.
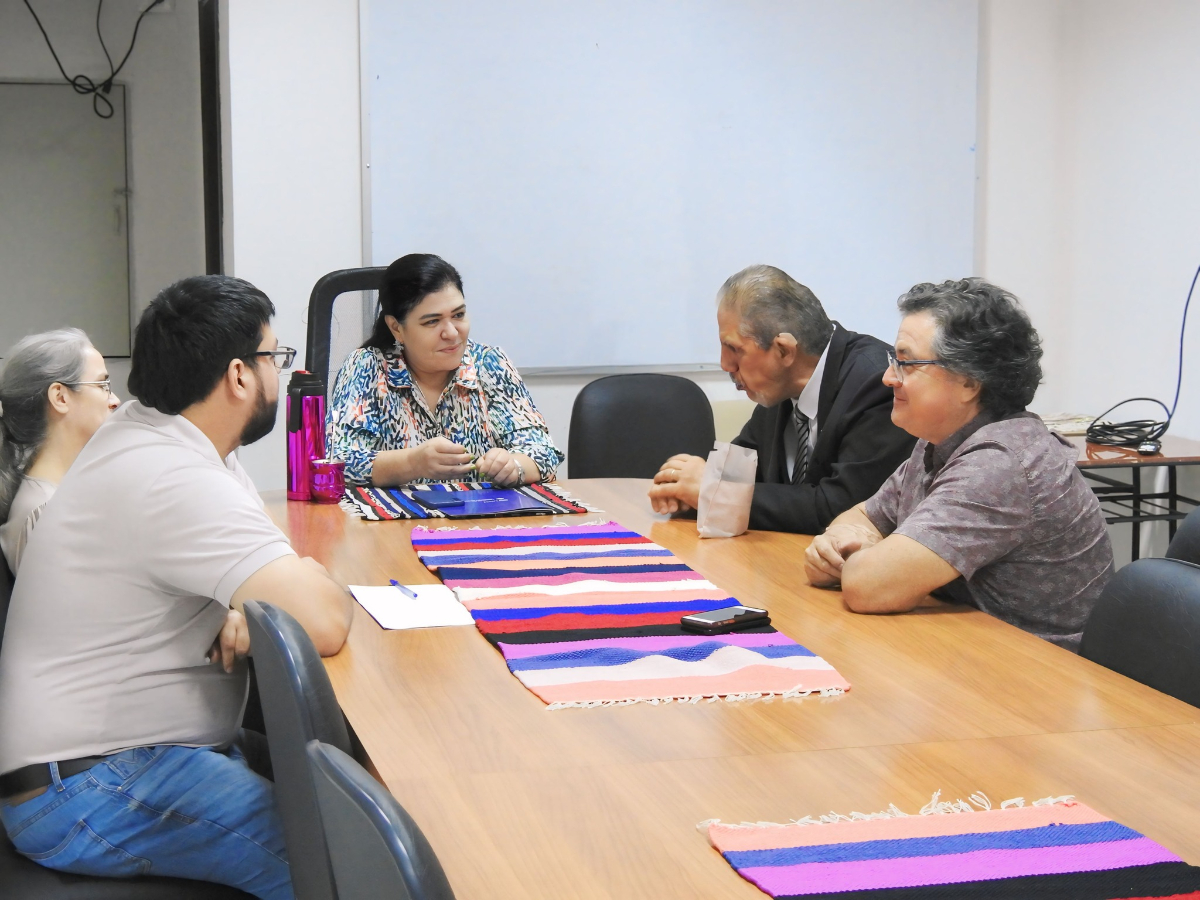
x,y
722,621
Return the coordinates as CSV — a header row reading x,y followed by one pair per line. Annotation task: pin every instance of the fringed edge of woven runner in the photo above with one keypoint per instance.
x,y
711,698
354,509
561,494
935,807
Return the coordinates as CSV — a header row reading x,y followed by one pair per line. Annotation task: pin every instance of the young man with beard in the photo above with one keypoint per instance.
x,y
122,676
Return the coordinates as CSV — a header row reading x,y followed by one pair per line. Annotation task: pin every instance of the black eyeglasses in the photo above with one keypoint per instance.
x,y
283,357
898,365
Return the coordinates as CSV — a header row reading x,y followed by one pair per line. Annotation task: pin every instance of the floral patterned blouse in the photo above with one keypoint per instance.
x,y
375,405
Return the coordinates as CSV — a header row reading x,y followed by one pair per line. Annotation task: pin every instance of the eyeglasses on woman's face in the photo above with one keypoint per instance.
x,y
105,385
898,366
283,357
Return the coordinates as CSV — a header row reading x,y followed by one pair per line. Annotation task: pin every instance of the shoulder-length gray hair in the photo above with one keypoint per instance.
x,y
35,363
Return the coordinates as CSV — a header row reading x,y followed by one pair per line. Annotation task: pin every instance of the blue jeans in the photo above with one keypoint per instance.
x,y
186,812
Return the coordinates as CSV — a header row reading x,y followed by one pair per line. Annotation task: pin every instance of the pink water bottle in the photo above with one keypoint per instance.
x,y
305,431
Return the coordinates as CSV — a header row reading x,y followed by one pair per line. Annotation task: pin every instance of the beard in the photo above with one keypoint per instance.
x,y
262,419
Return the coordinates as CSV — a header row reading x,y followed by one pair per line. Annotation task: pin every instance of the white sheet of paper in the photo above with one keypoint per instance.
x,y
434,607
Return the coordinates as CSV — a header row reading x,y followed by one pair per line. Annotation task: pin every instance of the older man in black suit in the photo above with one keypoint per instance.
x,y
823,428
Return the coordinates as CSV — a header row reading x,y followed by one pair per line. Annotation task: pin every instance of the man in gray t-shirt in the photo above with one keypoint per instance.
x,y
122,674
990,509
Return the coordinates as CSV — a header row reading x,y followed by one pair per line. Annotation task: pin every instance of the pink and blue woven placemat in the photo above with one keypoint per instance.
x,y
1062,850
588,615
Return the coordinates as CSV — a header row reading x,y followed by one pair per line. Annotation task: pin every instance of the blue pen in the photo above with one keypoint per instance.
x,y
407,592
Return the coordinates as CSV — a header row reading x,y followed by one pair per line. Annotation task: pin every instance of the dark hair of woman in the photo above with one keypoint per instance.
x,y
407,282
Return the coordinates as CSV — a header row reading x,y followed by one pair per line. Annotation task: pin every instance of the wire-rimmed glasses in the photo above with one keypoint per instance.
x,y
898,365
106,384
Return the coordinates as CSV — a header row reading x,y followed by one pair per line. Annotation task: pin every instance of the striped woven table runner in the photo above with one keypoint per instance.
x,y
1048,850
588,615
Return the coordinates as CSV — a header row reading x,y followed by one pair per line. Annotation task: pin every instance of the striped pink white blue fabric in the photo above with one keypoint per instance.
x,y
589,615
1057,850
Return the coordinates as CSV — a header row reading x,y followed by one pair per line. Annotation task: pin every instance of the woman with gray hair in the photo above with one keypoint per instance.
x,y
990,509
54,394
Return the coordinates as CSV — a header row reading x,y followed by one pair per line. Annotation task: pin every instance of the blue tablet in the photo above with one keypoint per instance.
x,y
482,503
440,499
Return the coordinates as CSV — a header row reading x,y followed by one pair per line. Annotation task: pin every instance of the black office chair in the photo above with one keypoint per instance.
x,y
320,313
626,426
1146,625
23,879
6,588
376,848
1186,543
299,706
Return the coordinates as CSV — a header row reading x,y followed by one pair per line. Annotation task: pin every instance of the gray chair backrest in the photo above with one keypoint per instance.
x,y
320,313
298,706
6,589
1186,543
376,848
1146,625
627,426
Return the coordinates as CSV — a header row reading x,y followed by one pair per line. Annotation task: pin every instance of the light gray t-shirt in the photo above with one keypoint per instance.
x,y
124,585
26,509
1004,503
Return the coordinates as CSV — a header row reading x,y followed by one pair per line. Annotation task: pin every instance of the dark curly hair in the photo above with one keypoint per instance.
x,y
984,334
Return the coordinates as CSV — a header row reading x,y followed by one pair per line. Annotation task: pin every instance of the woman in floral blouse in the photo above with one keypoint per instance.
x,y
420,402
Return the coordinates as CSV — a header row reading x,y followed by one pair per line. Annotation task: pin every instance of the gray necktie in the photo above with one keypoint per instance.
x,y
800,421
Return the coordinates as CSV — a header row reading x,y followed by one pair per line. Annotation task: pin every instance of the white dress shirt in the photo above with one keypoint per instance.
x,y
807,402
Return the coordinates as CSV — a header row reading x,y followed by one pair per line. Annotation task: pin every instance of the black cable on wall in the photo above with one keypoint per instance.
x,y
1143,431
82,84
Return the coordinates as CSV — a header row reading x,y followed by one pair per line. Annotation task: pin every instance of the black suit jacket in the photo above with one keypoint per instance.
x,y
857,447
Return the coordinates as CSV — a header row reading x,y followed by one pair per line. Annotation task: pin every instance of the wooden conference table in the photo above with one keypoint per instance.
x,y
519,801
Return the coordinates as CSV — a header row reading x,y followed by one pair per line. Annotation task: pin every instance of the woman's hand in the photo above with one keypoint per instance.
x,y
499,467
439,459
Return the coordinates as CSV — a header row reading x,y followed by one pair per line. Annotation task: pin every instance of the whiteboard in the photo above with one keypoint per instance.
x,y
597,170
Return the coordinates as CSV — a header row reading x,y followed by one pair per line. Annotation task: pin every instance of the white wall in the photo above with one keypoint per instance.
x,y
1090,198
163,78
1021,237
1134,208
293,161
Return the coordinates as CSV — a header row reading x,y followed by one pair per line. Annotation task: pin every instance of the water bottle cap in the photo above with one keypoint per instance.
x,y
304,379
